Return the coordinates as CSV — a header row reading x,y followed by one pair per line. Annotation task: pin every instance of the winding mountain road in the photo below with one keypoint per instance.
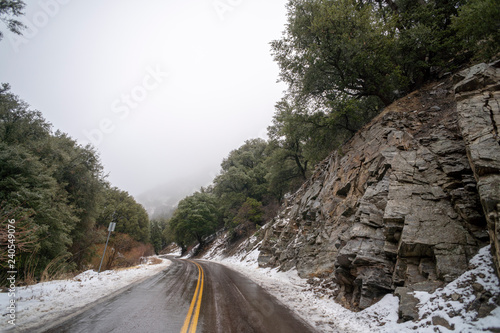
x,y
189,296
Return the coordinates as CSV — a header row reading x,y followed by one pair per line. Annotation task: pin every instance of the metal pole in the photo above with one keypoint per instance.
x,y
111,228
109,233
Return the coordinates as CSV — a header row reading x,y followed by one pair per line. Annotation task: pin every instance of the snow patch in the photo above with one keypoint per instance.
x,y
454,302
325,315
44,302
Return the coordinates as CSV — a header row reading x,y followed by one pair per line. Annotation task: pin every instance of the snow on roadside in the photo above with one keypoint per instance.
x,y
173,250
323,314
455,302
327,316
44,302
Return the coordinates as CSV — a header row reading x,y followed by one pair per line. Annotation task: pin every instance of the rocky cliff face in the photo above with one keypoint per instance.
x,y
478,106
406,203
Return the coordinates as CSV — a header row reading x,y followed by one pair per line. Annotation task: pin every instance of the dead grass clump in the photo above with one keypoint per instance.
x,y
155,261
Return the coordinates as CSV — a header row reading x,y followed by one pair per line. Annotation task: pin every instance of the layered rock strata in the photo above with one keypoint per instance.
x,y
477,92
400,206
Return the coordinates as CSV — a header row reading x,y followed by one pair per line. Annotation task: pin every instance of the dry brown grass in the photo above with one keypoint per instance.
x,y
122,252
155,261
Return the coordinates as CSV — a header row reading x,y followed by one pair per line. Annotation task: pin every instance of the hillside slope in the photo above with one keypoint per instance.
x,y
405,204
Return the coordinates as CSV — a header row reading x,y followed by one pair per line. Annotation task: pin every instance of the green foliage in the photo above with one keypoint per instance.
x,y
26,232
157,236
79,170
344,60
339,49
289,159
27,183
344,50
338,60
478,28
334,49
243,176
249,213
57,190
303,134
196,217
19,125
237,198
8,10
130,217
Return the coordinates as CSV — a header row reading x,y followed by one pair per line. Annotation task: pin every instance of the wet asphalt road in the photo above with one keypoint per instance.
x,y
189,296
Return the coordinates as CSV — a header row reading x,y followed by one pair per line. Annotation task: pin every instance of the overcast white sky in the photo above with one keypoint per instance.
x,y
164,89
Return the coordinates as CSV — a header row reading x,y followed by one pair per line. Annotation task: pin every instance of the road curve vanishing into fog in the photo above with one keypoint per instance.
x,y
189,296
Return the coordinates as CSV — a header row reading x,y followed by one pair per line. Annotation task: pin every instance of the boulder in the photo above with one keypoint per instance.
x,y
407,304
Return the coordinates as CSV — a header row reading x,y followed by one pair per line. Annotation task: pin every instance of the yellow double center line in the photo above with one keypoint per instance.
x,y
191,321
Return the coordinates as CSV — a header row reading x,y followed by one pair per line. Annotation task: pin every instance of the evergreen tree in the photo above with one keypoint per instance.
x,y
243,176
57,189
27,185
478,28
131,218
196,217
8,10
158,240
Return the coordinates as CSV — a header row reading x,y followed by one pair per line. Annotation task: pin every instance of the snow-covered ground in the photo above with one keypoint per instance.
x,y
45,302
328,316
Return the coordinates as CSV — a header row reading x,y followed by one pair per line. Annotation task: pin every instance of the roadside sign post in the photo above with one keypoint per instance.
x,y
111,228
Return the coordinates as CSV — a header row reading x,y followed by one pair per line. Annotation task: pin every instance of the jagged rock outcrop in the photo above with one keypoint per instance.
x,y
401,204
478,105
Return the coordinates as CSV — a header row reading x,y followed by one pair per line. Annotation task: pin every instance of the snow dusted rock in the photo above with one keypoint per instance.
x,y
470,303
408,304
403,203
472,298
478,95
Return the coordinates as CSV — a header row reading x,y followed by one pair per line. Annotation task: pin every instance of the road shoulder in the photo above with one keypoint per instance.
x,y
43,305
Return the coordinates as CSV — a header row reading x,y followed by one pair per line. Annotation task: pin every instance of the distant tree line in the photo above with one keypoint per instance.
x,y
343,61
56,191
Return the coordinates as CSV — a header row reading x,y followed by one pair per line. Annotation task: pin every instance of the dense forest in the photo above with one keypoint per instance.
x,y
56,192
343,62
